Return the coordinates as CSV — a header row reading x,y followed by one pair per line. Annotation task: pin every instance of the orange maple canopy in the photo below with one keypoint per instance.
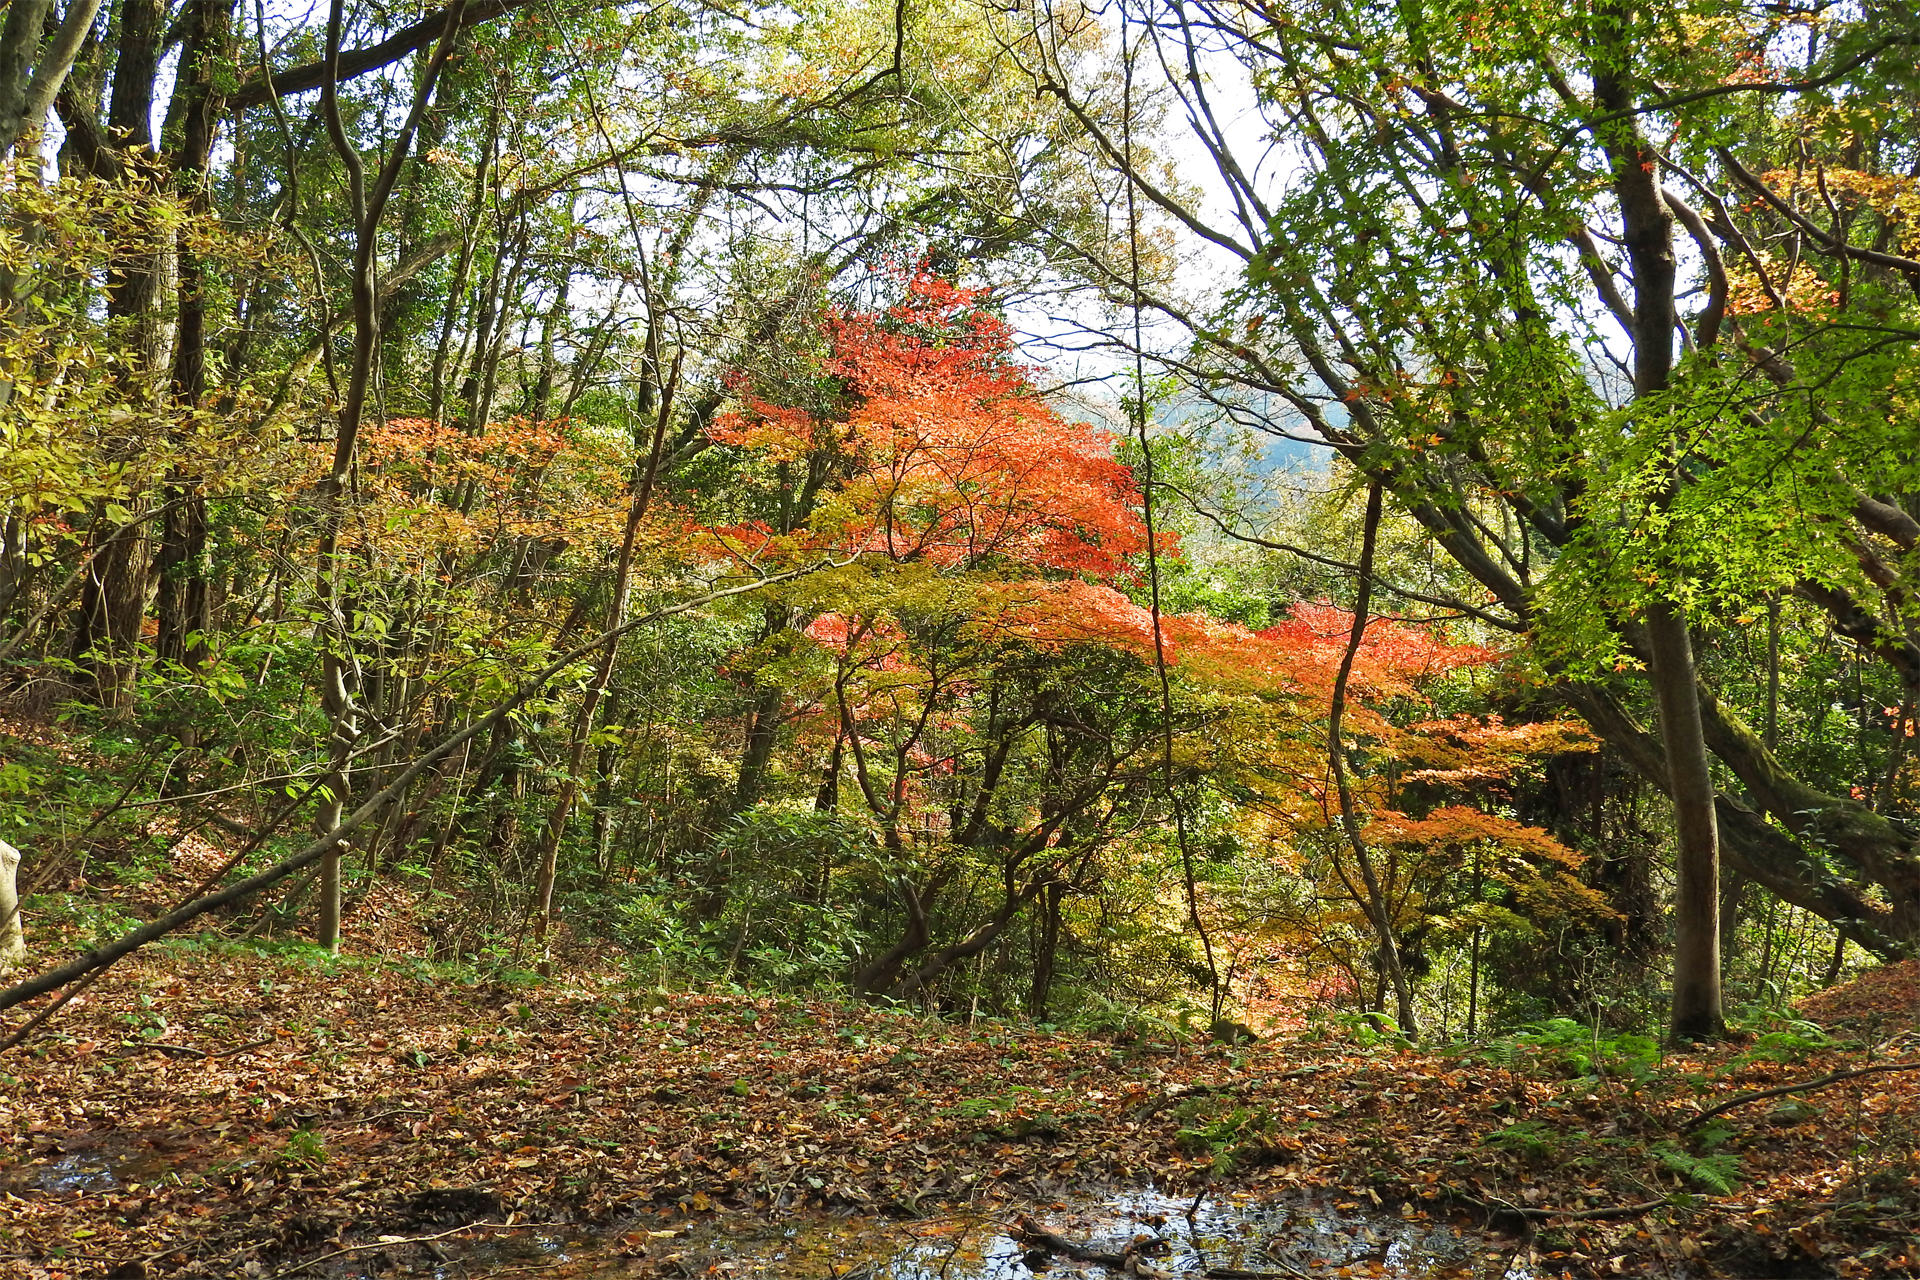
x,y
950,456
1297,655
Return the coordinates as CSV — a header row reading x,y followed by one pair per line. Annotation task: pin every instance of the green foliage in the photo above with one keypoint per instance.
x,y
1718,1172
783,901
1794,1042
1372,1031
304,1150
954,739
1231,1135
1125,1022
1571,1049
1535,1140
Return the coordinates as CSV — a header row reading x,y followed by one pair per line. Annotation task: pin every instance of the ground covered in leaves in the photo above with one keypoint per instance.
x,y
211,1111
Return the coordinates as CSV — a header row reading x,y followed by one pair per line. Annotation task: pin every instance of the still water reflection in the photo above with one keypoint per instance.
x,y
1322,1237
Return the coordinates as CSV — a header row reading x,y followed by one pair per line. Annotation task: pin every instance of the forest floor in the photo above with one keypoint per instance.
x,y
207,1110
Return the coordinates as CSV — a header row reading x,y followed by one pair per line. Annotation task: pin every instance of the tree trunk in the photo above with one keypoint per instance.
x,y
973,944
192,121
107,624
20,40
1647,219
1378,910
763,729
1754,846
26,92
334,630
589,710
883,970
13,937
1046,951
1696,909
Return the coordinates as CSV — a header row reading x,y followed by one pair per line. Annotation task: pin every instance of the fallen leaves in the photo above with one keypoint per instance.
x,y
356,1100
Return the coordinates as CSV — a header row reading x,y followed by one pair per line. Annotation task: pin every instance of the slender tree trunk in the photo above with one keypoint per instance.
x,y
136,67
1838,961
1378,909
16,573
1046,951
763,730
588,712
368,204
540,401
181,561
112,603
605,772
975,943
1473,987
1770,731
884,969
1696,909
827,798
491,337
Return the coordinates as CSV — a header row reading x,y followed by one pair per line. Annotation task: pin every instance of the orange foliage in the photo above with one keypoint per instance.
x,y
1453,826
427,489
955,460
946,457
1393,656
1299,655
1464,751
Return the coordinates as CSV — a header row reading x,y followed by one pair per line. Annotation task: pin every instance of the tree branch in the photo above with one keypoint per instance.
x,y
358,62
1832,1077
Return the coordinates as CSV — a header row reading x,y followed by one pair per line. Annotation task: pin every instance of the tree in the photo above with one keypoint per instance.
x,y
932,464
350,223
13,936
34,62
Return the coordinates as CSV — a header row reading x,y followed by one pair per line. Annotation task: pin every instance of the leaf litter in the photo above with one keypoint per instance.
x,y
219,1112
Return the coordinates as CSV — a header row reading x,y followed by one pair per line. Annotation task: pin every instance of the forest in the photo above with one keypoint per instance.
x,y
634,619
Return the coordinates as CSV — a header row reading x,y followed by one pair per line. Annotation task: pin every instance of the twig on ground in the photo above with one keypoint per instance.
x,y
387,1115
189,1051
1131,1261
396,1242
1803,1086
1604,1213
161,1046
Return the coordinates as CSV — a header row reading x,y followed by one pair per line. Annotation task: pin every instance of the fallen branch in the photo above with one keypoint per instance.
x,y
1804,1086
1605,1213
395,1242
188,1051
159,1046
1031,1233
1132,1260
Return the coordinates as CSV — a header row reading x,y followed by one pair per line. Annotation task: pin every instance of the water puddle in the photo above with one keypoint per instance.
x,y
87,1162
81,1171
1282,1240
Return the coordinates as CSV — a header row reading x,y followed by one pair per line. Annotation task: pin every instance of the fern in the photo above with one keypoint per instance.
x,y
1718,1172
